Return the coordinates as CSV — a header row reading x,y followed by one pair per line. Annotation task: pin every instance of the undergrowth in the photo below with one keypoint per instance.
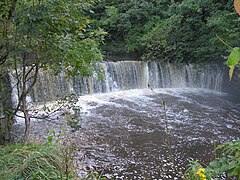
x,y
31,161
226,165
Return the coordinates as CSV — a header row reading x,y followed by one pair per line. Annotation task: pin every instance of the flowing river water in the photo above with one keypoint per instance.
x,y
123,123
126,130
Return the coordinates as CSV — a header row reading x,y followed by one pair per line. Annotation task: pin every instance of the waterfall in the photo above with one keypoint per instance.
x,y
125,75
166,75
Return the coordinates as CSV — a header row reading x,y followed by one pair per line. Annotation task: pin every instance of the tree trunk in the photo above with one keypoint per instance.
x,y
29,78
27,120
6,119
23,100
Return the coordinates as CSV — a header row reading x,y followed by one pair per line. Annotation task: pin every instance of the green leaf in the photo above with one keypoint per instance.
x,y
234,57
233,60
235,172
50,139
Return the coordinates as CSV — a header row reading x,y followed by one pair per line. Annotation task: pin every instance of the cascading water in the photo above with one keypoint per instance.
x,y
179,76
126,75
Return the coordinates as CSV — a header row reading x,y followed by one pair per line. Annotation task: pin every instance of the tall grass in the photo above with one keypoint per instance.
x,y
31,161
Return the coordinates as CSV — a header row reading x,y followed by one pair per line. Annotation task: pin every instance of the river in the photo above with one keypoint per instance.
x,y
125,132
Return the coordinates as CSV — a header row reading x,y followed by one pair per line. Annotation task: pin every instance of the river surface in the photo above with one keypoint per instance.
x,y
125,132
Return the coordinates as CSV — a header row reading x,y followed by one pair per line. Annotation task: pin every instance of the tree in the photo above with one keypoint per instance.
x,y
127,21
190,30
38,34
6,119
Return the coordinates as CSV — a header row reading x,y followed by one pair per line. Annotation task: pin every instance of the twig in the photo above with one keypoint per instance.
x,y
45,117
235,119
224,42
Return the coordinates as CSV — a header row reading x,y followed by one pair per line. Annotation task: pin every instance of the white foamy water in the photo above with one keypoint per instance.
x,y
140,96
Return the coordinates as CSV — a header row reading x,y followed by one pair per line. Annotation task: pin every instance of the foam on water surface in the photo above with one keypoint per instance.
x,y
124,136
131,125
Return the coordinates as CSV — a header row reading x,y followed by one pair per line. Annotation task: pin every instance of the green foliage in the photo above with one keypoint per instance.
x,y
155,42
51,33
227,163
233,60
191,172
6,119
229,160
31,161
59,32
189,32
95,176
81,57
127,21
177,31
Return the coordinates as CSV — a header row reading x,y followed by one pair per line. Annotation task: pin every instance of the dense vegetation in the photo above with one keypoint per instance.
x,y
176,31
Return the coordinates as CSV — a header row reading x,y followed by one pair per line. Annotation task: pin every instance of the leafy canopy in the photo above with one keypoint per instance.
x,y
58,31
163,30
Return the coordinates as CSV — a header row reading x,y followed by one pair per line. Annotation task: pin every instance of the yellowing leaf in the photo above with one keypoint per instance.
x,y
237,6
82,27
231,72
